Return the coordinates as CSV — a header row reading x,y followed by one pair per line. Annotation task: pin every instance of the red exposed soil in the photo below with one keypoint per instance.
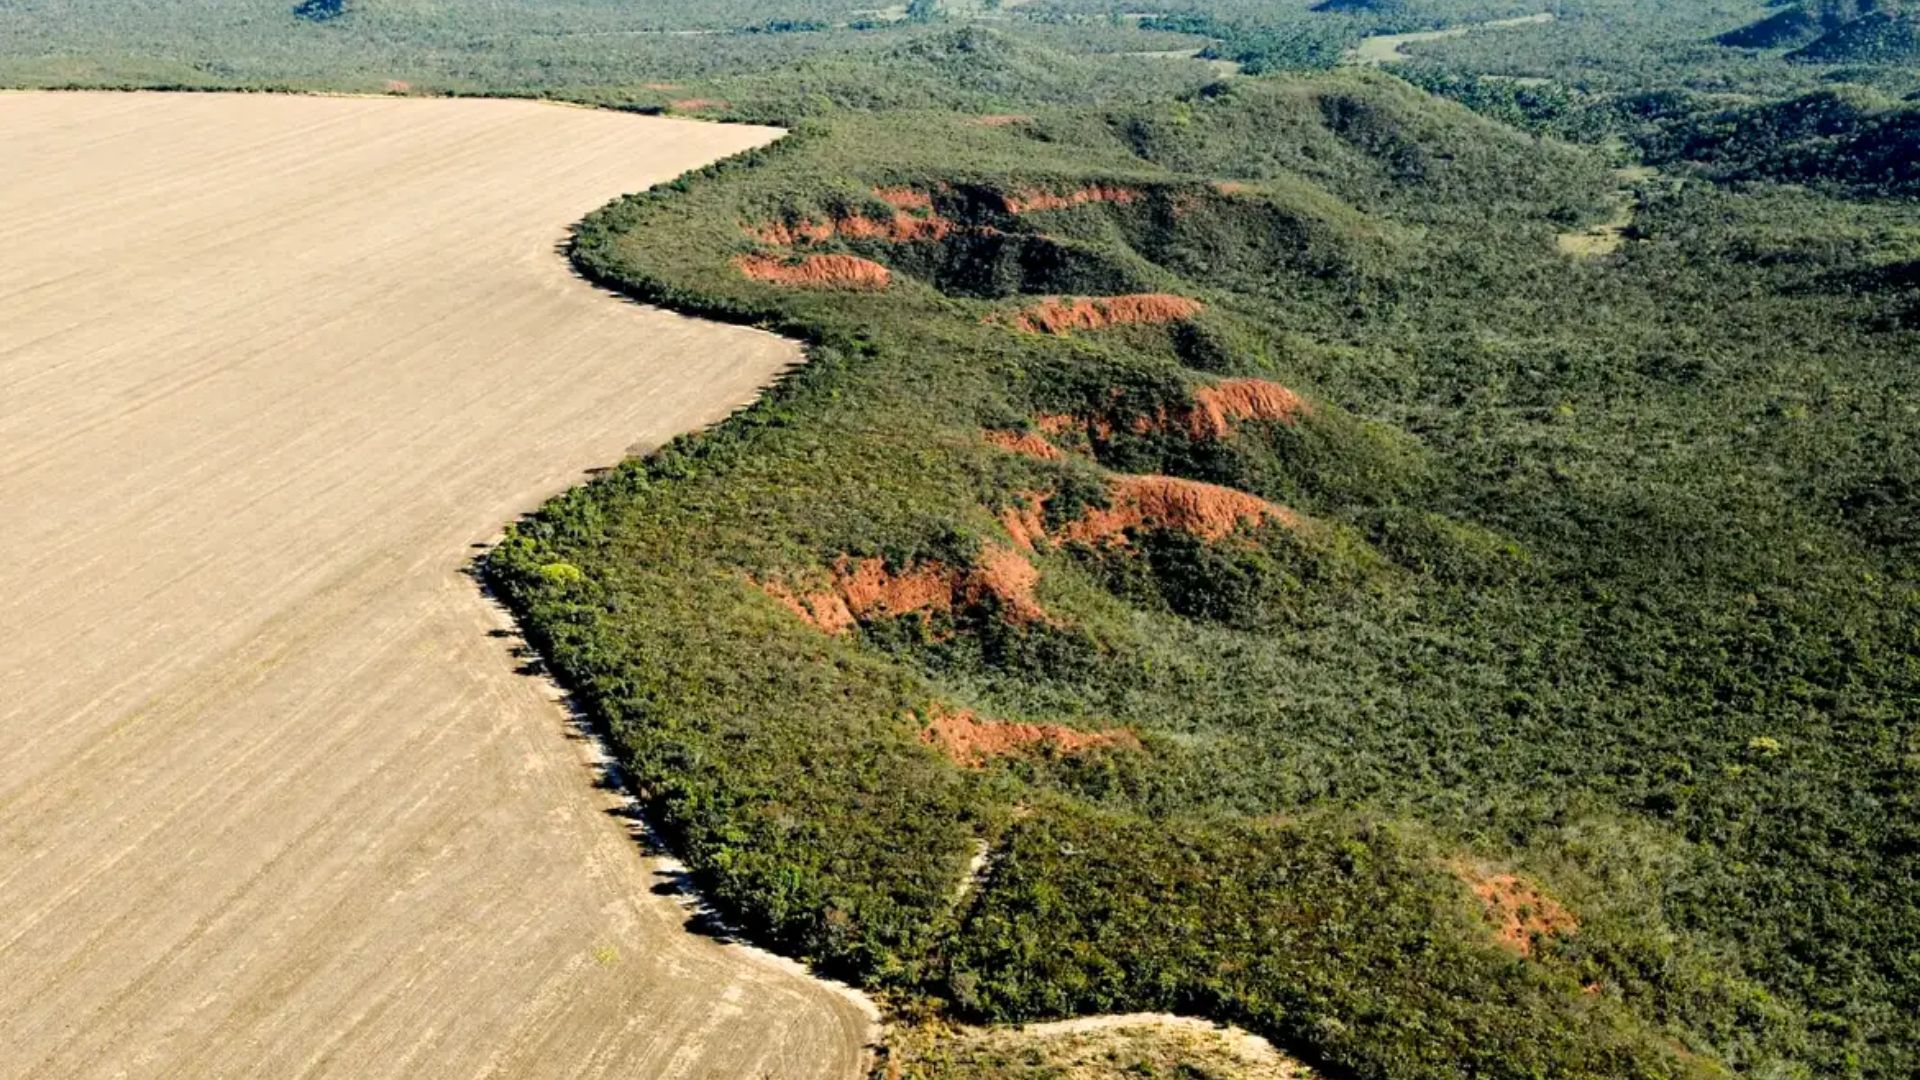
x,y
863,590
1218,407
1207,511
900,229
1029,200
1214,413
1520,913
1025,443
1006,576
816,272
1002,119
1058,423
872,592
696,104
971,742
662,86
825,611
904,198
1024,522
1062,315
1229,187
398,86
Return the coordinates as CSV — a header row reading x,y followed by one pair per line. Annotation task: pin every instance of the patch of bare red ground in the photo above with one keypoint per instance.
x,y
862,590
1001,119
1218,407
971,742
904,198
1025,443
697,104
1213,414
398,86
816,272
824,611
1028,200
1229,187
1006,576
900,229
1024,521
1058,423
1206,511
662,87
1520,913
1061,315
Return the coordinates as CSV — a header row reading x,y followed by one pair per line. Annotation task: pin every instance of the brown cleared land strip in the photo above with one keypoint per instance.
x,y
273,802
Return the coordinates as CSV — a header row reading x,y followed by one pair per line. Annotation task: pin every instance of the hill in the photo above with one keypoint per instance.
x,y
1848,139
1879,37
1796,24
1333,610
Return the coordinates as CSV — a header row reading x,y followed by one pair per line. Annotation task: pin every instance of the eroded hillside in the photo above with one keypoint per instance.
x,y
1336,610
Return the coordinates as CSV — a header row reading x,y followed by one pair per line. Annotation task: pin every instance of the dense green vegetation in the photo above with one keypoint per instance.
x,y
1603,572
1612,553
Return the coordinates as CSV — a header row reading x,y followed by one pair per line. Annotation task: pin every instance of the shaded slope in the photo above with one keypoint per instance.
x,y
1880,37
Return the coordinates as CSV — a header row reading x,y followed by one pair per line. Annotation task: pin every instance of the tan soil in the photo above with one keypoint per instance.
x,y
1516,908
1029,200
695,104
848,272
1062,315
272,800
1002,120
1207,511
1114,1047
1024,443
971,742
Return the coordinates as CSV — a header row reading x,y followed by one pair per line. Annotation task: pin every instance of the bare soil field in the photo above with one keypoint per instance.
x,y
273,799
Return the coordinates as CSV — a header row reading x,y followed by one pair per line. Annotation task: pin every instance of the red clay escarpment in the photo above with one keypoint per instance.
x,y
1025,521
913,220
971,742
901,228
848,272
1029,200
696,104
1063,315
1520,913
901,197
1218,408
1025,443
1213,412
1207,511
864,590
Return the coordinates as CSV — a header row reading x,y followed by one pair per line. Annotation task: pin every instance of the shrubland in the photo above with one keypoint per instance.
x,y
1334,609
1575,571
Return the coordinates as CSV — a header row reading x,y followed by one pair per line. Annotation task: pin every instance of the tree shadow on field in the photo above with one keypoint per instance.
x,y
672,879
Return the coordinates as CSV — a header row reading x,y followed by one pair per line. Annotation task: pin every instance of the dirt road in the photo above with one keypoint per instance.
x,y
273,802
